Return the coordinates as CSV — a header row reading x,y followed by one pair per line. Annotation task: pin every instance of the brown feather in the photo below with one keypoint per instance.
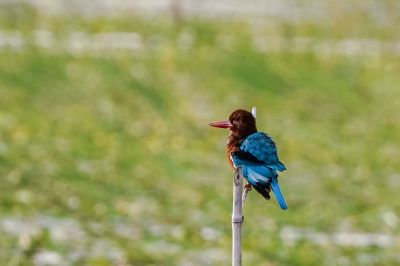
x,y
243,125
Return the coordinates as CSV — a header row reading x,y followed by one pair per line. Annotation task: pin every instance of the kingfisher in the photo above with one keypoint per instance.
x,y
255,152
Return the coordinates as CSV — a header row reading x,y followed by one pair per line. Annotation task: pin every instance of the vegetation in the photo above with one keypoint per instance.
x,y
106,157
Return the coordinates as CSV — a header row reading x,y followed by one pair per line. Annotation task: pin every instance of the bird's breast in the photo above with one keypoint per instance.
x,y
229,150
229,157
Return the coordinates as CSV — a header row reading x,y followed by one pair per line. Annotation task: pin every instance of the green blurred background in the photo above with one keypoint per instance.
x,y
106,157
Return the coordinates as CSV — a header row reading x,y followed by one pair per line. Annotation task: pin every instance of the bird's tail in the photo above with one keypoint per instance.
x,y
278,194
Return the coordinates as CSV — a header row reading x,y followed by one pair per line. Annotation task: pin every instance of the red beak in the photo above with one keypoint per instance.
x,y
222,124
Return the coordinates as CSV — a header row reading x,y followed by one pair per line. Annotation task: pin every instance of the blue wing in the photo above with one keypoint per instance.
x,y
263,148
259,158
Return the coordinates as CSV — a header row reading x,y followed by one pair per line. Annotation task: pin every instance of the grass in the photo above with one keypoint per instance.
x,y
118,141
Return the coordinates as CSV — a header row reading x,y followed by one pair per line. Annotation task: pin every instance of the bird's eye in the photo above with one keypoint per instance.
x,y
234,122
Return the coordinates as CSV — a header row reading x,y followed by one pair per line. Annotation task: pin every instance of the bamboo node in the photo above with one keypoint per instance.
x,y
237,220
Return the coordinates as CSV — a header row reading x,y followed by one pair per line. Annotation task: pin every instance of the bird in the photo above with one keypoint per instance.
x,y
255,152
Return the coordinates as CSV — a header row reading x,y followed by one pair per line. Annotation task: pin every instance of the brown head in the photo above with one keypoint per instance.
x,y
241,123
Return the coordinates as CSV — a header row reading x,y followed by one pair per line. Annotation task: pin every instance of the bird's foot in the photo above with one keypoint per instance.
x,y
248,187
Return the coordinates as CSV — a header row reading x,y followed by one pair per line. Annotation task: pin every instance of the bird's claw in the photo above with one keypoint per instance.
x,y
248,187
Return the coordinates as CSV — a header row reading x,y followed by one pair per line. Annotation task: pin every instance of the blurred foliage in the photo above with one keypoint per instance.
x,y
119,144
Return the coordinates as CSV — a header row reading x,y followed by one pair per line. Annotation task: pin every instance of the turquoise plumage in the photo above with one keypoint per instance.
x,y
259,159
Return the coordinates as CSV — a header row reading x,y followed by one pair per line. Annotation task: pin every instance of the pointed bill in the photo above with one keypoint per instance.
x,y
221,124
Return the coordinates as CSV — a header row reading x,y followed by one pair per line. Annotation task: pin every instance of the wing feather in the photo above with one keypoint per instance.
x,y
263,148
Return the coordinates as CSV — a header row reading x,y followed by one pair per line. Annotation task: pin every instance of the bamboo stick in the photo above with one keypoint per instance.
x,y
237,218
